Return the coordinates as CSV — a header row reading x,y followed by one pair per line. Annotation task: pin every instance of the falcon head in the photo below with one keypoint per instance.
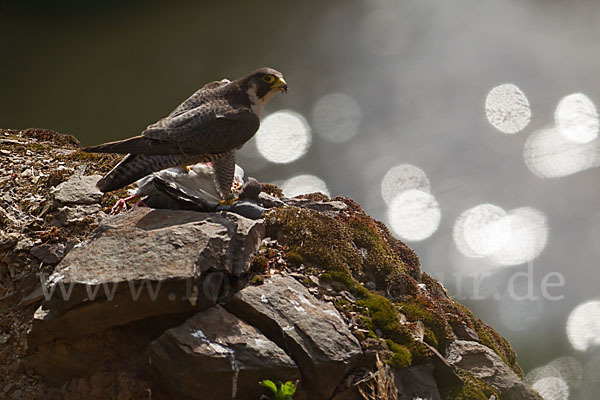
x,y
263,84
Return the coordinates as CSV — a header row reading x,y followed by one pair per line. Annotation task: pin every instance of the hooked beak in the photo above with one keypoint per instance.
x,y
281,85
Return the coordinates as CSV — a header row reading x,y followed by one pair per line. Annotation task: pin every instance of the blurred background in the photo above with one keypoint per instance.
x,y
469,127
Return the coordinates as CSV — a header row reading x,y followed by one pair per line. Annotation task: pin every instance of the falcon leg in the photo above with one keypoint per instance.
x,y
224,168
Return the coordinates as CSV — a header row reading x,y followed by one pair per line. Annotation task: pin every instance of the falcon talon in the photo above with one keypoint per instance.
x,y
228,202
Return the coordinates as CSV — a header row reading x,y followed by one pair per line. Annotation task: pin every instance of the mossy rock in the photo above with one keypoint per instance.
x,y
352,249
471,389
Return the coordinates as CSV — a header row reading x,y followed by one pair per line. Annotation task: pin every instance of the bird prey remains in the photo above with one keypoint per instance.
x,y
195,181
208,127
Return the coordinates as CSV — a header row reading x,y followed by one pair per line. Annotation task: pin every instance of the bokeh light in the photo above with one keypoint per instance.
x,y
569,369
414,215
304,184
336,117
504,238
283,137
549,154
583,325
577,118
480,231
507,108
527,238
403,177
552,388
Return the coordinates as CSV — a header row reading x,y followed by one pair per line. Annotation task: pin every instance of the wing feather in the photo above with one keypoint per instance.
x,y
189,136
196,133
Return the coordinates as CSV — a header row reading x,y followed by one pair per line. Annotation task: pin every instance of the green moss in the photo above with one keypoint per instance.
x,y
83,156
401,358
315,238
341,304
351,247
294,258
420,353
257,280
384,316
260,264
379,263
491,339
437,332
315,196
471,389
430,338
100,163
273,190
37,147
339,278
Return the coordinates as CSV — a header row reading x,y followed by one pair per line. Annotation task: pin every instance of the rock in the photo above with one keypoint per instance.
x,y
270,201
463,332
105,384
215,355
416,382
120,275
312,331
116,350
49,253
444,373
246,209
63,152
70,216
486,365
119,314
11,141
330,208
78,190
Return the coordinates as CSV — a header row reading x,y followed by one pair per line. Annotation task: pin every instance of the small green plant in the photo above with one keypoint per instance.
x,y
282,391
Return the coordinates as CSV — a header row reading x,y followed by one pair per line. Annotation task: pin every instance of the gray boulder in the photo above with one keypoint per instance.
x,y
417,382
215,355
486,365
312,332
140,265
79,189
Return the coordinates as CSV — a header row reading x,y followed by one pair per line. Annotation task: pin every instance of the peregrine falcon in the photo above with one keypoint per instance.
x,y
208,127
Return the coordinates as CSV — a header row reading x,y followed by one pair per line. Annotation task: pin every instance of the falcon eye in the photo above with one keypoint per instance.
x,y
268,78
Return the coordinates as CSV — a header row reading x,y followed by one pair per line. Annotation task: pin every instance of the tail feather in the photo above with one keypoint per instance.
x,y
135,145
136,166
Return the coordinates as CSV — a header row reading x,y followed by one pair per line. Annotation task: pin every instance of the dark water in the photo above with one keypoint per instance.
x,y
419,71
